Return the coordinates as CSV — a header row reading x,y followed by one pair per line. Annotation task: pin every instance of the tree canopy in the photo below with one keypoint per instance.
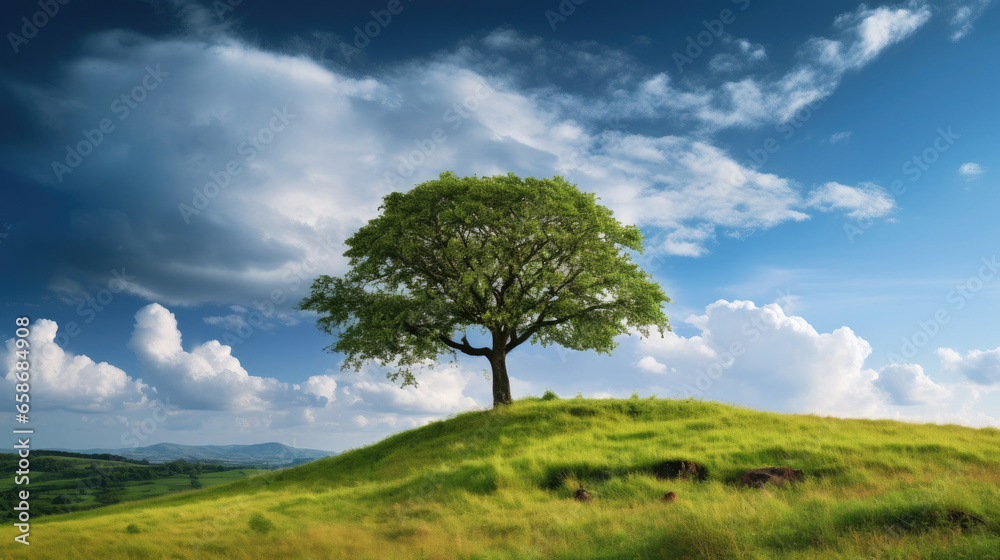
x,y
518,260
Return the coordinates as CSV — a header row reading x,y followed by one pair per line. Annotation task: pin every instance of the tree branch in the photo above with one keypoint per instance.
x,y
515,342
465,347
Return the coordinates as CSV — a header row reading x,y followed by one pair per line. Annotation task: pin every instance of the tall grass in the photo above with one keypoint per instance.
x,y
499,485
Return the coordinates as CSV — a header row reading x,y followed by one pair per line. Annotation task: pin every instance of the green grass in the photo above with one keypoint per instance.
x,y
499,485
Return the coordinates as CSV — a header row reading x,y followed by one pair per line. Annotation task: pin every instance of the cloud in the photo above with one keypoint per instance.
x,y
233,322
763,358
981,367
746,56
208,377
508,39
859,38
206,387
964,15
867,200
971,169
394,422
322,386
685,189
440,390
869,32
61,380
907,384
315,149
244,321
650,364
840,137
282,214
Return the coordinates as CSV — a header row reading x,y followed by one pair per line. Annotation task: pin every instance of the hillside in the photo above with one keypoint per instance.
x,y
500,484
270,454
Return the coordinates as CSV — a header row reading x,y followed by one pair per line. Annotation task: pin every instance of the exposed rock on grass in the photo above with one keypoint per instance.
x,y
691,470
964,519
777,476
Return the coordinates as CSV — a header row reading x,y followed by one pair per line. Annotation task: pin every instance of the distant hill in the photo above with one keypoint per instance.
x,y
270,454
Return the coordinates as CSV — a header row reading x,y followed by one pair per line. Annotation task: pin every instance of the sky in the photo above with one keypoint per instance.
x,y
816,183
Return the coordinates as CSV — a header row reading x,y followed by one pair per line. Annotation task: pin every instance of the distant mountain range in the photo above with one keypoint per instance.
x,y
271,454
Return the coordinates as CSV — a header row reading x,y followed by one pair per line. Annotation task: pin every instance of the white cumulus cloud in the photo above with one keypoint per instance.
x,y
766,359
867,200
981,367
650,364
208,377
440,389
907,384
62,380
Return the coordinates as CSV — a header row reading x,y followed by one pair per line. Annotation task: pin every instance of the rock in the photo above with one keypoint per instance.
x,y
582,495
770,475
680,469
669,497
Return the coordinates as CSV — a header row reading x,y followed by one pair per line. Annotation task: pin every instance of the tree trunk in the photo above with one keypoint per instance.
x,y
498,362
501,383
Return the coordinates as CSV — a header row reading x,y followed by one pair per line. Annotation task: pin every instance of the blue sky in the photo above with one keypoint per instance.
x,y
816,183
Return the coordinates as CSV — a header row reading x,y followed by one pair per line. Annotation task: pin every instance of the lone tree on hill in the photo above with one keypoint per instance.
x,y
520,260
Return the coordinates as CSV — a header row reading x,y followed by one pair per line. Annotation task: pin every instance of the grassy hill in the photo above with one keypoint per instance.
x,y
499,484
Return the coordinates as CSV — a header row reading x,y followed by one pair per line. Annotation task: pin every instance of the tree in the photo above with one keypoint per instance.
x,y
519,260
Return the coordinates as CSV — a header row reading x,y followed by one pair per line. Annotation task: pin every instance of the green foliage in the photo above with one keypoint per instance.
x,y
132,529
550,395
523,260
